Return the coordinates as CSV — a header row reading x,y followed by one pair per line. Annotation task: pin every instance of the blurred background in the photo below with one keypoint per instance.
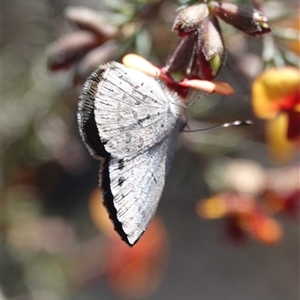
x,y
227,225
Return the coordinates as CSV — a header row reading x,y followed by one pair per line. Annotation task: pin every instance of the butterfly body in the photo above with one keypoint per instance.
x,y
129,122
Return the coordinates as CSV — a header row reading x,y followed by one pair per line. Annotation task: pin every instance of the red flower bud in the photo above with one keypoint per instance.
x,y
212,56
91,20
190,18
183,55
244,18
71,48
200,53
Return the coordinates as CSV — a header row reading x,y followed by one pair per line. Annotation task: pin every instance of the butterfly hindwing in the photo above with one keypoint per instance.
x,y
134,188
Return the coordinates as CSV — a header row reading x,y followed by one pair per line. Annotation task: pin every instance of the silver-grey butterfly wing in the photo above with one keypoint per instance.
x,y
131,123
133,111
86,115
132,188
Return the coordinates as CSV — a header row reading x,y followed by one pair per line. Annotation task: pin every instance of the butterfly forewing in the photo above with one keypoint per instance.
x,y
132,111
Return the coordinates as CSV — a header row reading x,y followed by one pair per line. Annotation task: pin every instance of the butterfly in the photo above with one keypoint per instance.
x,y
130,122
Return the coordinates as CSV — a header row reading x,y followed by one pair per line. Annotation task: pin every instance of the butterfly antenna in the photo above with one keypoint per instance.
x,y
228,124
189,104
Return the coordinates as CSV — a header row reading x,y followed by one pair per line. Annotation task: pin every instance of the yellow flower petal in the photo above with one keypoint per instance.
x,y
212,208
139,63
280,148
272,89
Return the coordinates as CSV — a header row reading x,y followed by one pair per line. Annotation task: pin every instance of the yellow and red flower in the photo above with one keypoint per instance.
x,y
243,216
249,198
276,97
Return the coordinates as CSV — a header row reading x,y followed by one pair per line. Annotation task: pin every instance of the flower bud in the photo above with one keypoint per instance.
x,y
244,18
91,20
70,48
183,55
190,18
212,56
